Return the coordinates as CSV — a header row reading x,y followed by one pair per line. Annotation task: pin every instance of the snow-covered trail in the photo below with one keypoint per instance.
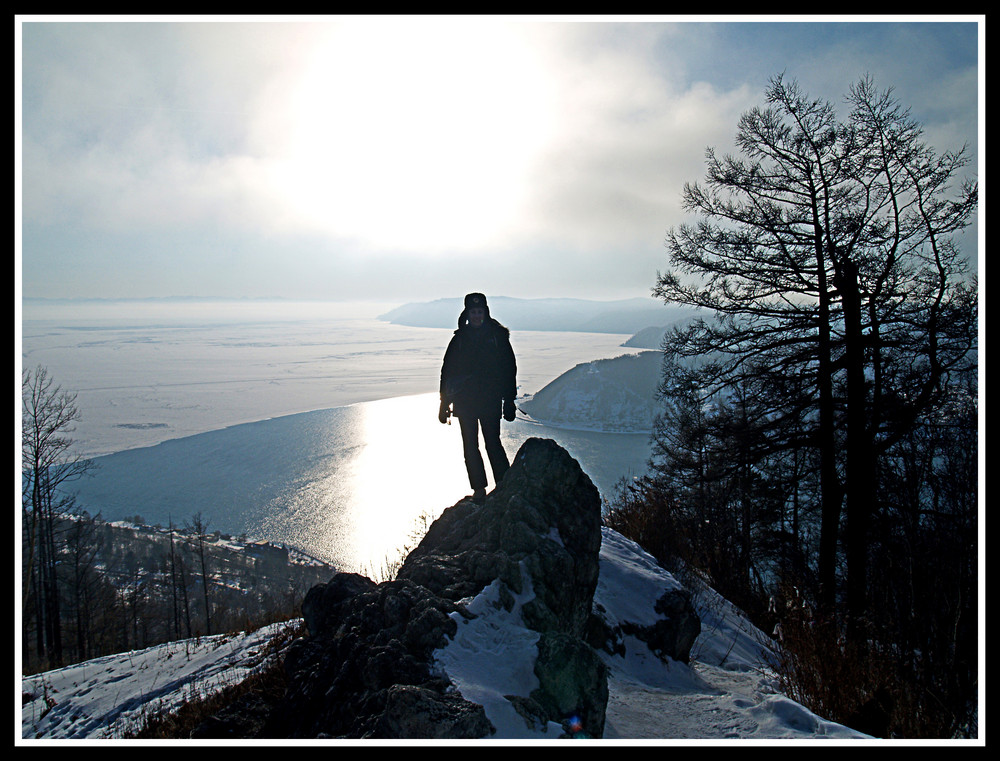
x,y
724,693
719,705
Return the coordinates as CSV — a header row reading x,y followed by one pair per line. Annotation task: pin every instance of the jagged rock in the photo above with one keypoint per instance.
x,y
604,634
366,641
367,667
543,521
419,713
535,717
675,633
322,601
659,615
546,514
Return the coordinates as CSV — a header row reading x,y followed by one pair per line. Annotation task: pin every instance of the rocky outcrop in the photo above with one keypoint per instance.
x,y
374,666
365,670
546,515
640,605
367,667
541,528
671,635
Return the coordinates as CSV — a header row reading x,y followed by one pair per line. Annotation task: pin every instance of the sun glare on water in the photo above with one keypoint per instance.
x,y
409,470
409,132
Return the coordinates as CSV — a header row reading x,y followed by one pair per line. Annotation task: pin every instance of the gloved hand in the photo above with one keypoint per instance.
x,y
443,412
509,410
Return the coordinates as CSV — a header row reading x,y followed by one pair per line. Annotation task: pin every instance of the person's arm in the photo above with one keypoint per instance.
x,y
446,370
509,380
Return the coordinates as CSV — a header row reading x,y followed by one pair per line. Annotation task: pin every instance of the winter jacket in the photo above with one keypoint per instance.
x,y
479,369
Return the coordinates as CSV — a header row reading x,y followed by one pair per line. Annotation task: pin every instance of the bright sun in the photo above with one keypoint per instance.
x,y
414,134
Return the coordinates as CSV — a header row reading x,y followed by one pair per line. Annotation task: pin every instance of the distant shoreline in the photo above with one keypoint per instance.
x,y
523,417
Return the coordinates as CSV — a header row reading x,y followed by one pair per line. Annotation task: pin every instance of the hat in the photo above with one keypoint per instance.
x,y
475,300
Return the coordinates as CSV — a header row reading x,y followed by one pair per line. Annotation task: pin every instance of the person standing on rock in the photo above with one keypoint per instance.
x,y
478,386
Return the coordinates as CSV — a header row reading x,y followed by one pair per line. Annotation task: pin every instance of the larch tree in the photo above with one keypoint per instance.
x,y
825,254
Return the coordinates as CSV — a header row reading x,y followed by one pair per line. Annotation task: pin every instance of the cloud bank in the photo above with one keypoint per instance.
x,y
410,158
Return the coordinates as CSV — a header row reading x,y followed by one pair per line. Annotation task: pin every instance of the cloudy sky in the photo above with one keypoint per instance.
x,y
401,159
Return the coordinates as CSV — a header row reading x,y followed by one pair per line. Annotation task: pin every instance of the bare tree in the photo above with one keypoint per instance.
x,y
199,527
179,586
83,582
47,465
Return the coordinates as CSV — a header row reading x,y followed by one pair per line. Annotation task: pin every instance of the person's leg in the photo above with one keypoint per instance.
x,y
473,458
494,447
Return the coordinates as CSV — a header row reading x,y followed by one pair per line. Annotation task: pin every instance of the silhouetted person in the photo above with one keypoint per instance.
x,y
478,384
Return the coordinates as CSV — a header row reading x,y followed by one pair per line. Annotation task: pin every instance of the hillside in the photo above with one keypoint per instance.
x,y
722,694
520,619
127,585
616,394
647,338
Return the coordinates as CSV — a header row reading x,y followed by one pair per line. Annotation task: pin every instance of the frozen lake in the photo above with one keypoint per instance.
x,y
351,485
311,424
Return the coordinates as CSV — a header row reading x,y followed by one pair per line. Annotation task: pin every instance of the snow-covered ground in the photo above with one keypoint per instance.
x,y
105,697
722,695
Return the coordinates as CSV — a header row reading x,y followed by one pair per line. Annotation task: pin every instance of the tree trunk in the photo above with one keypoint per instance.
x,y
830,493
860,482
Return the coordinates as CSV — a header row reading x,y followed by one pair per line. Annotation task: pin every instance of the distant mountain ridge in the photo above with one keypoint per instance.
x,y
572,315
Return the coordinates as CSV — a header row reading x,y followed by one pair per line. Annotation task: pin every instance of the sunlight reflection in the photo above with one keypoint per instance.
x,y
409,469
358,486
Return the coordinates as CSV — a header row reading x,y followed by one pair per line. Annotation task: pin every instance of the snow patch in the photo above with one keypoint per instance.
x,y
493,655
108,696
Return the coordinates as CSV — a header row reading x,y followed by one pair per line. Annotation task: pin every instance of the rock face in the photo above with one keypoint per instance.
x,y
541,527
368,667
364,671
545,514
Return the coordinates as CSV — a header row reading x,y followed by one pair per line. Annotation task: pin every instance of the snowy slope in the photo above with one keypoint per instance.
x,y
104,697
721,695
